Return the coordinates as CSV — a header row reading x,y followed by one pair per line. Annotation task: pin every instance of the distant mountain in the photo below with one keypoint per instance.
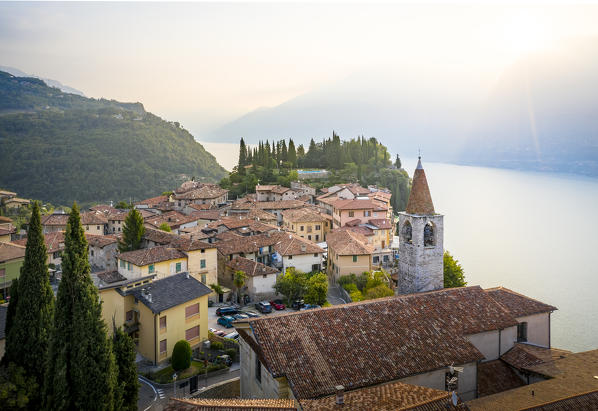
x,y
540,115
62,147
52,83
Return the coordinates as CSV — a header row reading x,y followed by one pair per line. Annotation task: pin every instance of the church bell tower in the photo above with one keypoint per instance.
x,y
420,240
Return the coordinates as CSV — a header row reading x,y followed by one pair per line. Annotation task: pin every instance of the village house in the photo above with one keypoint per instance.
x,y
116,220
15,203
349,252
199,193
153,202
439,345
307,223
56,221
259,281
94,222
156,312
102,252
273,207
359,210
7,230
54,247
303,189
378,233
12,257
161,261
274,193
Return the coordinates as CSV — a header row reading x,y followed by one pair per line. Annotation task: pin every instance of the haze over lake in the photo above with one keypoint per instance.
x,y
531,232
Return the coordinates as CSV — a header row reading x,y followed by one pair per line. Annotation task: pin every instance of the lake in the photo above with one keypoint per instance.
x,y
534,233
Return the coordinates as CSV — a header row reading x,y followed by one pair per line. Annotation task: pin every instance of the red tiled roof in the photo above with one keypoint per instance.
x,y
381,223
206,191
420,200
496,376
229,404
6,231
152,201
151,255
54,241
9,251
292,244
93,217
354,204
101,240
104,208
348,242
250,267
305,214
55,219
522,356
518,304
317,349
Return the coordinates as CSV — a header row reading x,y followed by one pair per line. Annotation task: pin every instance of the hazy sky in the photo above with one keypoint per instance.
x,y
206,64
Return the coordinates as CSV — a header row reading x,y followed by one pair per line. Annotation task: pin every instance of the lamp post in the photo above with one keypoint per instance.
x,y
174,384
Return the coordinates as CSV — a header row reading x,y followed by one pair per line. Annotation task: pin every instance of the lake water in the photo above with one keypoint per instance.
x,y
534,233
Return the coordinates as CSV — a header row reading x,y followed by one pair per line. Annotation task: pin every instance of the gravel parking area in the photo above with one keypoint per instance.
x,y
213,318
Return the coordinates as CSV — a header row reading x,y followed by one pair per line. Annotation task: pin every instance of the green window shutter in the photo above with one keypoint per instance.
x,y
203,278
151,268
354,258
203,263
178,267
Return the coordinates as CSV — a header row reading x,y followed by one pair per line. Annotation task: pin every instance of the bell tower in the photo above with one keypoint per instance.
x,y
420,240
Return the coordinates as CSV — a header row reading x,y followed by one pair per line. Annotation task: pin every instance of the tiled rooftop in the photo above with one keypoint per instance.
x,y
229,404
9,251
54,241
518,304
306,214
420,200
496,376
250,267
522,356
317,349
152,255
55,219
205,192
348,242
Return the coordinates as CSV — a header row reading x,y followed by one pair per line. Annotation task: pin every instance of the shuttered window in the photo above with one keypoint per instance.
x,y
163,347
192,333
163,323
191,310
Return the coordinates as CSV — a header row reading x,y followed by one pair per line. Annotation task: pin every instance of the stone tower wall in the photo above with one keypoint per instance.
x,y
420,267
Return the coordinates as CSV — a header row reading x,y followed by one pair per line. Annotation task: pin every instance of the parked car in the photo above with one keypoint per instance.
x,y
263,307
226,321
298,304
309,307
224,359
277,304
250,314
241,316
234,335
219,333
220,311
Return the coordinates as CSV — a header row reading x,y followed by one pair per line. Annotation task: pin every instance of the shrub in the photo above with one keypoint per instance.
x,y
356,296
181,356
350,287
232,353
378,291
216,345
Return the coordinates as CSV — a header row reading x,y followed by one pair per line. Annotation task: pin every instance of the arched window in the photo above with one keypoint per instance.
x,y
407,232
429,235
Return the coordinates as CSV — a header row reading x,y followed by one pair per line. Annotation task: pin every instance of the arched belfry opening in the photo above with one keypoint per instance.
x,y
429,235
407,233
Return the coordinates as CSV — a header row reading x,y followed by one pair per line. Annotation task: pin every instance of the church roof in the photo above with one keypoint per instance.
x,y
420,200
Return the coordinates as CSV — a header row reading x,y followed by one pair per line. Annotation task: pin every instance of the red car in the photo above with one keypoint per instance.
x,y
277,304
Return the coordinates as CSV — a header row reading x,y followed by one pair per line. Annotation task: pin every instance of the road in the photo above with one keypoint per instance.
x,y
335,296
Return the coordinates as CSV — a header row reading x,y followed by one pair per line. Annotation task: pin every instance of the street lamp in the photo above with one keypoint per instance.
x,y
174,384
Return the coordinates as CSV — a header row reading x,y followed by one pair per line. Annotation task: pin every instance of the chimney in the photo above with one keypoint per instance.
x,y
303,247
149,297
187,275
340,394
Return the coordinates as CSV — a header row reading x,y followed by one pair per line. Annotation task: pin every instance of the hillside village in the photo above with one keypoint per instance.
x,y
421,346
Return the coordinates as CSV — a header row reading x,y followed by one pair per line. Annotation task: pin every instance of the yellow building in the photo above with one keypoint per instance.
x,y
348,253
307,223
156,312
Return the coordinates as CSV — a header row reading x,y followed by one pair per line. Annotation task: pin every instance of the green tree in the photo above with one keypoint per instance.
x,y
133,230
181,356
81,372
29,338
453,272
316,289
239,282
397,162
123,205
165,227
17,388
217,288
124,353
378,291
292,154
292,284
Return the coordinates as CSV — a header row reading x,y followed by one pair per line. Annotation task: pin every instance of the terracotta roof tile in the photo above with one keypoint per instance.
x,y
496,376
54,241
305,214
522,356
354,204
420,200
101,240
230,404
292,244
153,201
412,333
348,242
55,219
110,277
518,304
250,267
9,251
93,217
151,255
206,191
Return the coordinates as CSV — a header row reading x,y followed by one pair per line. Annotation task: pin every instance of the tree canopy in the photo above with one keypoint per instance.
x,y
133,230
453,272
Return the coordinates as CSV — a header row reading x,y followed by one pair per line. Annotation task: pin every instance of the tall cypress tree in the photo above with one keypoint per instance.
x,y
133,230
124,352
29,338
292,154
81,368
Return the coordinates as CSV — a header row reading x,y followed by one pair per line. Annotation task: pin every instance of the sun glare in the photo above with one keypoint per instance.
x,y
524,34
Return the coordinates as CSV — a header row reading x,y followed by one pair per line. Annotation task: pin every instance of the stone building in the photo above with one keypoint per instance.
x,y
421,240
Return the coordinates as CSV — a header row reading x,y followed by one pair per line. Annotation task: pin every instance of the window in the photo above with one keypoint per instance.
x,y
91,251
354,258
130,315
406,232
351,213
2,272
429,235
57,254
290,257
192,310
98,227
163,347
192,333
315,267
522,332
204,278
203,251
162,323
315,254
258,369
317,227
367,213
202,264
301,228
451,381
86,228
317,237
129,266
375,259
309,237
152,268
178,267
309,229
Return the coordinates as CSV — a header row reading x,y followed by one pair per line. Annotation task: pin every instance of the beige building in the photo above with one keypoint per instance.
x,y
307,223
156,313
274,193
348,253
193,192
6,229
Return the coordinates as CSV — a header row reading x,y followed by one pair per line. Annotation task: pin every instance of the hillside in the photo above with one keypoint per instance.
x,y
62,147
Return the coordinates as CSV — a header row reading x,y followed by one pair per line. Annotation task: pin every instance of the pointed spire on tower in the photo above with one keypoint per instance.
x,y
420,200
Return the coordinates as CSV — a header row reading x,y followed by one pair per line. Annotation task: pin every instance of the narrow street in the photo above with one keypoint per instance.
x,y
335,296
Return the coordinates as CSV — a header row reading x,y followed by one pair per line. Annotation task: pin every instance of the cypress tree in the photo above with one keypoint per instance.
x,y
28,341
81,368
124,353
292,154
133,230
242,154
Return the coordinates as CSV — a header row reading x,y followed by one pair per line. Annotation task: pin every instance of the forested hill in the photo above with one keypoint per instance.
x,y
62,147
